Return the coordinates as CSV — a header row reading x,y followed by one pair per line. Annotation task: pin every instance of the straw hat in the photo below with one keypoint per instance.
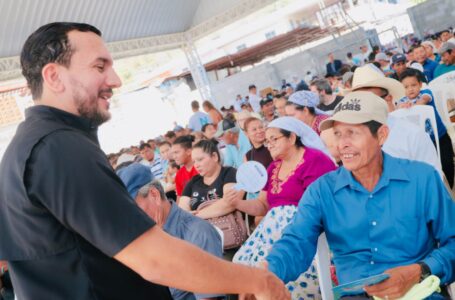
x,y
370,76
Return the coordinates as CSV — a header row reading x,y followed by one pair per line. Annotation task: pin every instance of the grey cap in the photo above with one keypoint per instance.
x,y
446,47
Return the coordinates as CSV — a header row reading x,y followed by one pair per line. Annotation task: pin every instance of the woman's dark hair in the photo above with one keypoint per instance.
x,y
48,44
300,107
185,141
373,126
298,142
410,72
209,147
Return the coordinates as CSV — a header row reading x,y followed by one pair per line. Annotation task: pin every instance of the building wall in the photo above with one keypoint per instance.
x,y
432,16
270,75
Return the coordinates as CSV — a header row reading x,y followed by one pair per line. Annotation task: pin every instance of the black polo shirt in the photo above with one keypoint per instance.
x,y
64,214
261,155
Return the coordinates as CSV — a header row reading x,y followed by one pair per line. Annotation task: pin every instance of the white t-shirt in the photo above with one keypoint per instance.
x,y
407,140
254,101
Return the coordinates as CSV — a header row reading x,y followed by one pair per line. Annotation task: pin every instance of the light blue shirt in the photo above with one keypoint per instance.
x,y
402,221
233,155
199,232
197,120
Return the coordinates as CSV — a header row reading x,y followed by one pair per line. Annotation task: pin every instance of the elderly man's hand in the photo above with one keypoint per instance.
x,y
276,290
401,280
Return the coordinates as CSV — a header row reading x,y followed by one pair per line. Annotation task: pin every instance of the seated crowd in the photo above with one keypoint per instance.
x,y
330,147
340,160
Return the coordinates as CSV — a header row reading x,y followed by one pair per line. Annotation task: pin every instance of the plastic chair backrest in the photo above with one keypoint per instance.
x,y
323,267
442,93
448,77
418,114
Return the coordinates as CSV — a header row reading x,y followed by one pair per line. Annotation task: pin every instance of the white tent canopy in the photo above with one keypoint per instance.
x,y
131,27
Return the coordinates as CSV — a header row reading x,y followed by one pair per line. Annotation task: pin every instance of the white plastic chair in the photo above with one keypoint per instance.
x,y
418,114
323,268
442,93
448,77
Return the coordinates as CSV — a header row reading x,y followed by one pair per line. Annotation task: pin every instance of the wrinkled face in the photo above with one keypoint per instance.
x,y
411,86
210,131
148,154
280,105
277,143
165,151
399,67
357,147
420,54
256,132
181,155
203,162
90,78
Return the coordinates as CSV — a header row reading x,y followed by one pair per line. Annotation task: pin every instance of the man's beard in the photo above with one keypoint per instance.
x,y
87,105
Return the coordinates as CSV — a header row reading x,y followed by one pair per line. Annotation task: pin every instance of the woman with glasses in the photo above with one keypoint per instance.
x,y
299,158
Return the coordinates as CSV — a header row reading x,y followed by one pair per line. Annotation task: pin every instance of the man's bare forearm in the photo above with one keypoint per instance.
x,y
165,260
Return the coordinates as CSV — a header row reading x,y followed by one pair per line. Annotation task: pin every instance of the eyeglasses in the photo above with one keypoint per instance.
x,y
272,141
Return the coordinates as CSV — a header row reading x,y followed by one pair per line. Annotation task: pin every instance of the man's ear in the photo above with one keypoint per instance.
x,y
52,77
383,133
155,195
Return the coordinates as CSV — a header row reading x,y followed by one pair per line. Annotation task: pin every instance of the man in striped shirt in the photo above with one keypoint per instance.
x,y
151,160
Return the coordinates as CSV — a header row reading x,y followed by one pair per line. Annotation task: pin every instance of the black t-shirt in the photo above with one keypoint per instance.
x,y
199,192
59,236
261,154
332,105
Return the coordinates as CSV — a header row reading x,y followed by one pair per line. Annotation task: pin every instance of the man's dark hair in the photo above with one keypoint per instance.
x,y
48,44
144,145
185,141
322,85
373,126
170,134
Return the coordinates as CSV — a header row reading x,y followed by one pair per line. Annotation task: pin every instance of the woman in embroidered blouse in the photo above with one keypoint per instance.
x,y
296,165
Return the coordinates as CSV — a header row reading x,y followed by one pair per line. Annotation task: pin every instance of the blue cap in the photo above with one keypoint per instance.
x,y
134,177
398,57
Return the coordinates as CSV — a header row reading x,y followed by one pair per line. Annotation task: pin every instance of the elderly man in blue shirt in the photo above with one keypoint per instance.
x,y
150,197
379,213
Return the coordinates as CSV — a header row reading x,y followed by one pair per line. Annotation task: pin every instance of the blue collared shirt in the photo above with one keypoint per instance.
x,y
428,68
199,232
402,221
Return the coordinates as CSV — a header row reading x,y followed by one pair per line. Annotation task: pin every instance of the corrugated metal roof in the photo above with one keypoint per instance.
x,y
117,19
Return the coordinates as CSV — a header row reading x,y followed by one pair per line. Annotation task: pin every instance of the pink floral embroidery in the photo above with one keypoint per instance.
x,y
277,183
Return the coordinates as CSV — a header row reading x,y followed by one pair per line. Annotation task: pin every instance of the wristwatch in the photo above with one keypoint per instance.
x,y
426,271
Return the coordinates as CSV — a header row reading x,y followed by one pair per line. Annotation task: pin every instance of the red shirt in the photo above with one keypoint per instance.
x,y
182,177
